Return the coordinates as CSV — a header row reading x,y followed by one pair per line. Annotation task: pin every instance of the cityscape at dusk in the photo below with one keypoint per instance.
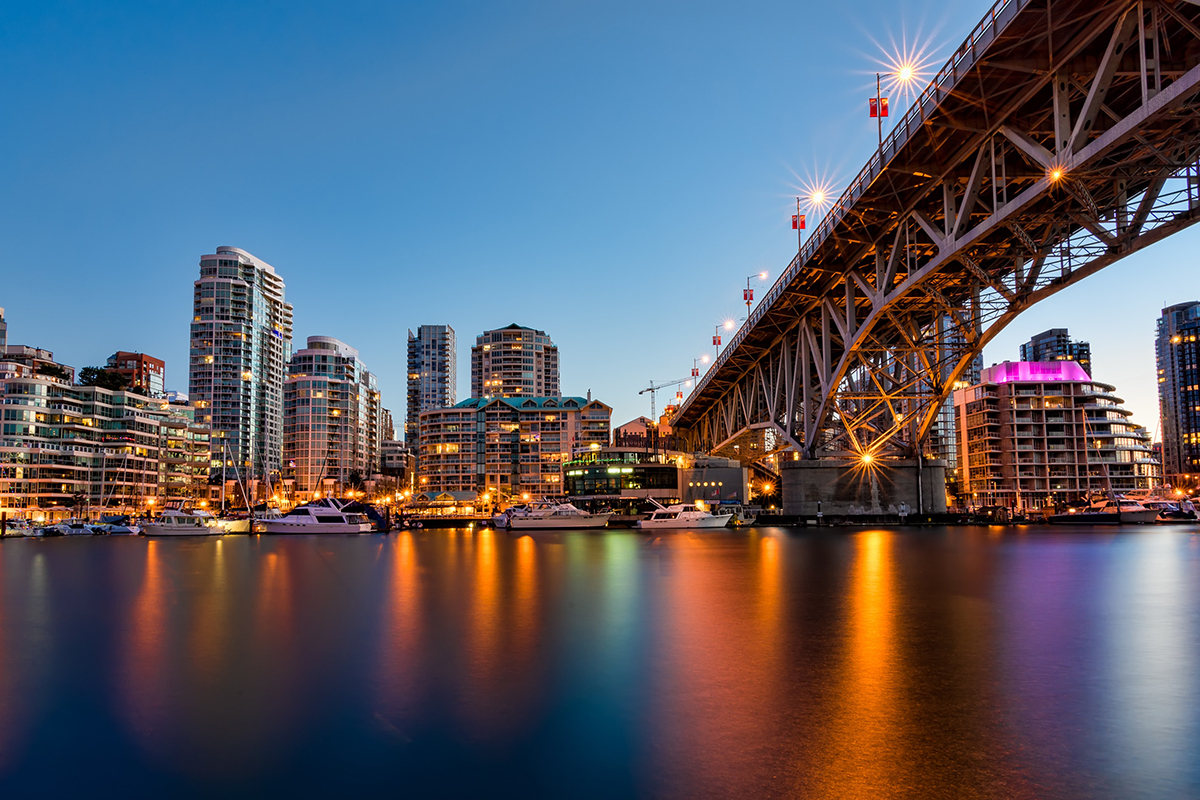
x,y
601,399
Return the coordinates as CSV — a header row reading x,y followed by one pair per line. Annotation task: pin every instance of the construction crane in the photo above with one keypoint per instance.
x,y
653,390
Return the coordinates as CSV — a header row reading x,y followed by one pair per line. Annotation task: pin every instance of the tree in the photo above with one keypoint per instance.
x,y
355,480
53,370
104,378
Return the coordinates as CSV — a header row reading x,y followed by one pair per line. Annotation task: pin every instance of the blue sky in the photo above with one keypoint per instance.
x,y
609,172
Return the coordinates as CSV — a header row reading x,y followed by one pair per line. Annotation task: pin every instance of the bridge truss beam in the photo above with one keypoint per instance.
x,y
1085,149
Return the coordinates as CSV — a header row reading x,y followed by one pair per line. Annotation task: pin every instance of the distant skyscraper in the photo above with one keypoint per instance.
x,y
387,428
331,416
1056,345
432,374
3,332
1178,355
241,343
514,362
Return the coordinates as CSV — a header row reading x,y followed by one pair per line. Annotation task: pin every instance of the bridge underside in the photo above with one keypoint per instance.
x,y
1066,137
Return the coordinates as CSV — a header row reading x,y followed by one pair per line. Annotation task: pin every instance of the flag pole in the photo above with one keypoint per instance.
x,y
879,113
799,230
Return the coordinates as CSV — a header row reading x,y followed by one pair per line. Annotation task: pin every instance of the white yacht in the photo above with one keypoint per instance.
x,y
76,527
183,523
323,516
682,515
548,516
1127,511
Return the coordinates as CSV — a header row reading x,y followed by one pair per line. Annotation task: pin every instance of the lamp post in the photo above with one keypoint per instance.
x,y
748,295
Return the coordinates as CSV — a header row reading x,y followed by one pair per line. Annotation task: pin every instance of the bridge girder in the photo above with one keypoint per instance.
x,y
1061,144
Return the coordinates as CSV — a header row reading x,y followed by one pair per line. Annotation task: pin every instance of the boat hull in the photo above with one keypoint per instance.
x,y
677,524
151,529
281,527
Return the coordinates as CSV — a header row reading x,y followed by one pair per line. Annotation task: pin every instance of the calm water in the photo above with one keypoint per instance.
x,y
769,663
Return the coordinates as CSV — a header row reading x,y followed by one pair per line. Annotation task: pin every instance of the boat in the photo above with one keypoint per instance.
x,y
322,516
76,527
548,515
244,524
119,525
1171,511
682,515
16,527
183,523
1105,511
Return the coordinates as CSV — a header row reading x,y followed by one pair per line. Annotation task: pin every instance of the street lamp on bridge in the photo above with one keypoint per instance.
x,y
748,295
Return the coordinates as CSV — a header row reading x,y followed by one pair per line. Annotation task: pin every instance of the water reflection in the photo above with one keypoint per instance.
x,y
755,663
864,741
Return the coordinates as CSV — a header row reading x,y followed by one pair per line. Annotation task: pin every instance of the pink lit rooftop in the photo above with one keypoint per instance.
x,y
1034,372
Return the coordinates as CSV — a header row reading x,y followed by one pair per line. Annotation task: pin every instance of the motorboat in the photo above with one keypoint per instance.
x,y
244,524
77,527
548,516
1107,511
682,515
16,527
183,523
120,525
1171,511
322,516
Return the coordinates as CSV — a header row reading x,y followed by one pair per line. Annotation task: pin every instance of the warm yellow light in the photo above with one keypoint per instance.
x,y
203,503
1056,175
762,276
866,458
906,73
149,501
728,324
247,376
703,359
767,488
525,495
817,197
316,495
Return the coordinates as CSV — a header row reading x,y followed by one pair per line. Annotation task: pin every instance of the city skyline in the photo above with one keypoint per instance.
x,y
672,177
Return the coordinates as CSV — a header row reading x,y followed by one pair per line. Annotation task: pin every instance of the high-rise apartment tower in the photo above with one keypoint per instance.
x,y
432,374
241,343
1178,354
1057,345
514,362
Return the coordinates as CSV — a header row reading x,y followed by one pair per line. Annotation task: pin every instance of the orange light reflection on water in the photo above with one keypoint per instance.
x,y
863,741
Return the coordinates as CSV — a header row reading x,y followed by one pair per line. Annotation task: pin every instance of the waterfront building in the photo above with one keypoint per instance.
x,y
1056,344
432,374
3,332
514,362
331,417
398,461
185,458
64,448
1177,352
143,372
1036,434
387,428
241,342
19,359
507,446
624,477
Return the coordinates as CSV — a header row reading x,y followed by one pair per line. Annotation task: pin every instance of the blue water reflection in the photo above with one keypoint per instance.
x,y
852,663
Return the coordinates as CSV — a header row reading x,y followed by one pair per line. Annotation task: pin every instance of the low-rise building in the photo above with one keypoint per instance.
x,y
143,372
64,448
508,447
1034,435
623,477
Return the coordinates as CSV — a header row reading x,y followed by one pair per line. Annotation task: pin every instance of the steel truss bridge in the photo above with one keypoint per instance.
x,y
1062,136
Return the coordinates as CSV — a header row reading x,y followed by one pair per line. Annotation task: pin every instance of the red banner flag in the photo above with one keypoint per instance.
x,y
716,341
747,295
874,109
801,222
883,107
695,372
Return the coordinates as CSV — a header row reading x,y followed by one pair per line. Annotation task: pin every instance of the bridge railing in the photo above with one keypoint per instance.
x,y
940,87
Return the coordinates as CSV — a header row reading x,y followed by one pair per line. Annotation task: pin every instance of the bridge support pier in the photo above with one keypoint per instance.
x,y
849,488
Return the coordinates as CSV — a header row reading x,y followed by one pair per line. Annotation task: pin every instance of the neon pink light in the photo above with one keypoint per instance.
x,y
1035,372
